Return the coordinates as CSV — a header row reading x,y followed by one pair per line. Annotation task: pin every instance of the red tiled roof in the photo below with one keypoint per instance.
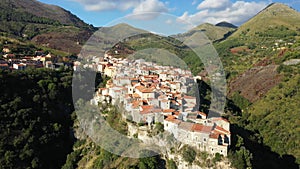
x,y
201,128
172,119
168,110
214,136
147,109
222,130
144,89
135,95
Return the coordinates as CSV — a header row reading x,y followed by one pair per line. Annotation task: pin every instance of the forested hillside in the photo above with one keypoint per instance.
x,y
35,123
263,85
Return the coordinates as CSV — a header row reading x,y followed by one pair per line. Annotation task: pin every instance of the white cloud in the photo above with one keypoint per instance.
x,y
212,11
214,4
138,6
141,9
103,5
185,21
149,9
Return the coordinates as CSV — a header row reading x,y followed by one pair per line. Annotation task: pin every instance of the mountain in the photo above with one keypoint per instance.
x,y
213,32
44,25
226,24
107,37
39,9
276,18
264,87
260,37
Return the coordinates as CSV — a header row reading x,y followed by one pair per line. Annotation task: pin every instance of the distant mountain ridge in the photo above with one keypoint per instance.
x,y
226,24
213,32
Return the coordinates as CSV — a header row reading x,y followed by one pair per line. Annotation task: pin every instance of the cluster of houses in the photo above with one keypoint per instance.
x,y
150,93
12,62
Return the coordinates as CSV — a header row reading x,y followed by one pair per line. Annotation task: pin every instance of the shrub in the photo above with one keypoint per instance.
x,y
188,154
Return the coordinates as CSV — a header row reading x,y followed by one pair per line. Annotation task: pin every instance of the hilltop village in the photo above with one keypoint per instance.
x,y
151,94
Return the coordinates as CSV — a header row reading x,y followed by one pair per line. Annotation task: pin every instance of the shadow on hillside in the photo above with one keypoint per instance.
x,y
263,156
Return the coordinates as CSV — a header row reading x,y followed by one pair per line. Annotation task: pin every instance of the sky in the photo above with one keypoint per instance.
x,y
166,14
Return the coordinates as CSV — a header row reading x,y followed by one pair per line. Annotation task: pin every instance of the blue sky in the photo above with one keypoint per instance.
x,y
103,12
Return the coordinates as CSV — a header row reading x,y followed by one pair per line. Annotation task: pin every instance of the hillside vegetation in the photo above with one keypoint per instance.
x,y
262,38
213,32
164,47
46,25
262,86
275,116
36,107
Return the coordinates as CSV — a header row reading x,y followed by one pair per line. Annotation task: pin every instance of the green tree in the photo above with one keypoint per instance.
x,y
188,154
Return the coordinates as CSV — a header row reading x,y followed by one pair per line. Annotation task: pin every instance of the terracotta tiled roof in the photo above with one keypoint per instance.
x,y
222,130
173,119
168,110
147,109
135,95
201,128
144,89
214,136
